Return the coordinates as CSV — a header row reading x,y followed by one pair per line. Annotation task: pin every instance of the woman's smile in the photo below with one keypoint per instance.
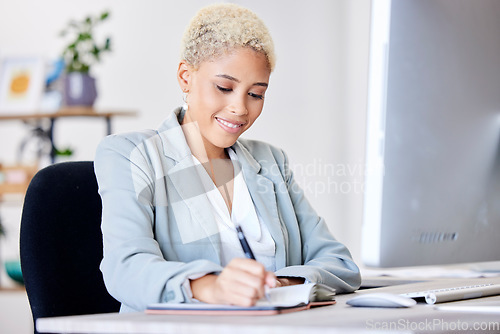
x,y
228,125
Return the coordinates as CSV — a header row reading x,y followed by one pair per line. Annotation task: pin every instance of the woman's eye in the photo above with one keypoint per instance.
x,y
256,96
224,89
228,90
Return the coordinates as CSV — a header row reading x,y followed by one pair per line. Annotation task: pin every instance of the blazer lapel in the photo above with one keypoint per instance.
x,y
261,190
183,176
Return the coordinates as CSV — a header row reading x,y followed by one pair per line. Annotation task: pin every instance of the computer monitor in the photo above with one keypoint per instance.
x,y
432,188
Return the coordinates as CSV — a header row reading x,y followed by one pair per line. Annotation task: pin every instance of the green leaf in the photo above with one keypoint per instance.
x,y
95,51
66,152
107,46
104,16
84,36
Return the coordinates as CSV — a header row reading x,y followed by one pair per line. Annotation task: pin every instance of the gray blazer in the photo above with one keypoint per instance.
x,y
158,228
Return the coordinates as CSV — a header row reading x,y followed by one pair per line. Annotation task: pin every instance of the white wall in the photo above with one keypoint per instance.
x,y
315,107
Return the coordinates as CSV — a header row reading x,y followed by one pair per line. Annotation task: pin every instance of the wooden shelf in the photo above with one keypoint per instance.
x,y
66,112
17,288
48,130
15,179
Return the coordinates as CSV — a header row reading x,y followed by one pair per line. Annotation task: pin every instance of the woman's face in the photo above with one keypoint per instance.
x,y
225,95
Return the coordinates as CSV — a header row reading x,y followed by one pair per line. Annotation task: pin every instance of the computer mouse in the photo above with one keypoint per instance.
x,y
381,299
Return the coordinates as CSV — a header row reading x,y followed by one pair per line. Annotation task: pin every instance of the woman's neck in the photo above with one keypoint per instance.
x,y
200,147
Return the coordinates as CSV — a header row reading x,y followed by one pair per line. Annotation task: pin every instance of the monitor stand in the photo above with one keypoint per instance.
x,y
486,268
383,281
382,277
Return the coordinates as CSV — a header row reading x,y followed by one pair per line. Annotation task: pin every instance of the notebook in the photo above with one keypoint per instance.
x,y
281,300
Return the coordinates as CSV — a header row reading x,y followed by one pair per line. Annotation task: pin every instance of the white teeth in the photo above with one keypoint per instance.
x,y
229,125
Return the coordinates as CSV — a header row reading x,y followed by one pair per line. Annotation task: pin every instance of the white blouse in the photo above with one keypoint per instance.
x,y
243,214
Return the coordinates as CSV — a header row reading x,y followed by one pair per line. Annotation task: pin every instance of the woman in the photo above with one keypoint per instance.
x,y
172,197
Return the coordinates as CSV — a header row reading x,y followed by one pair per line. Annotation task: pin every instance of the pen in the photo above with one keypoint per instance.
x,y
244,243
247,250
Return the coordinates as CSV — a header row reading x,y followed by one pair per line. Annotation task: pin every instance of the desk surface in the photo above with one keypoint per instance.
x,y
339,318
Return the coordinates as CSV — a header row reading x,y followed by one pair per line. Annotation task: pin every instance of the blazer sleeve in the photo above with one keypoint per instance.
x,y
324,259
134,269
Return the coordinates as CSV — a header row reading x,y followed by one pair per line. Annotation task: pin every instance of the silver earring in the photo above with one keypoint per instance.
x,y
184,98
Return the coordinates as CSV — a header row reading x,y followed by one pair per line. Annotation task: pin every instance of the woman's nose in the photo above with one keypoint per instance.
x,y
238,106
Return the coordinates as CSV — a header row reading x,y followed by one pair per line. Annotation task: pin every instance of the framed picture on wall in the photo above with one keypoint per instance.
x,y
21,84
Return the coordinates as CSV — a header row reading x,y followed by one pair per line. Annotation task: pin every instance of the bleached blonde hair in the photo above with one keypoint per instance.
x,y
219,29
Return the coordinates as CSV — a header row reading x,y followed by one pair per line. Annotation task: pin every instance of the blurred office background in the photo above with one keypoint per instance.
x,y
315,107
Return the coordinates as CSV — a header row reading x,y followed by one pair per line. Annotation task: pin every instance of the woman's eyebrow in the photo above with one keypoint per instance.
x,y
228,77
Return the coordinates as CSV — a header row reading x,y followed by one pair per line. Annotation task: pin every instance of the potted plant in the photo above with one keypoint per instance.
x,y
79,55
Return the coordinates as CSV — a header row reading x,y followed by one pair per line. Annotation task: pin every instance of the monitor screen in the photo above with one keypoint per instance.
x,y
433,137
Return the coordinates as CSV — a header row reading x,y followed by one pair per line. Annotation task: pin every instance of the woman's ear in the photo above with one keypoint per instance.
x,y
184,76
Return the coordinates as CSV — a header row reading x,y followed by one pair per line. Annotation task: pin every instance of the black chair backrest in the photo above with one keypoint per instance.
x,y
61,243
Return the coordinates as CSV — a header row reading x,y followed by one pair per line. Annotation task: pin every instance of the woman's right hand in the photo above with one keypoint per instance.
x,y
242,283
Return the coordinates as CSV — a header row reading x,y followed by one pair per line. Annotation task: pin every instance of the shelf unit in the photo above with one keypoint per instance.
x,y
36,119
14,179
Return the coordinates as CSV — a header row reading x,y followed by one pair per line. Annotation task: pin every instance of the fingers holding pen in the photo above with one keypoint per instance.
x,y
242,283
246,279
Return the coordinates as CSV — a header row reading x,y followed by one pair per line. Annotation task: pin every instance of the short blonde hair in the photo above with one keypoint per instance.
x,y
220,28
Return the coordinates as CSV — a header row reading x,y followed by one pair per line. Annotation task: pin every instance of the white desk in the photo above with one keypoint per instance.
x,y
339,318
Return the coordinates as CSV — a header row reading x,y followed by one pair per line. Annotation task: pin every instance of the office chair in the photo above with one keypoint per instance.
x,y
61,243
